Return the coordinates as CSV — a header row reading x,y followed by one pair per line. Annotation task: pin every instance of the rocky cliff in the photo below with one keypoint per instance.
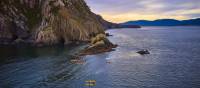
x,y
107,24
47,21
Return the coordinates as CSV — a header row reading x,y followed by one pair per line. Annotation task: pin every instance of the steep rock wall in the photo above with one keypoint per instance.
x,y
47,21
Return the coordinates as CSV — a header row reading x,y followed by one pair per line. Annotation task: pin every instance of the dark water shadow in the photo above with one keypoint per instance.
x,y
10,54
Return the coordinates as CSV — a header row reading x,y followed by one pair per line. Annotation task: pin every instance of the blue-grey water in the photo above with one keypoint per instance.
x,y
174,62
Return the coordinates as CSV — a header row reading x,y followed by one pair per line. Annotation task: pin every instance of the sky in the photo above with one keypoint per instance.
x,y
126,10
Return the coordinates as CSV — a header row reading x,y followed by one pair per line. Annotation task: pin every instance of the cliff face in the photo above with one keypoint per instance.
x,y
47,21
106,24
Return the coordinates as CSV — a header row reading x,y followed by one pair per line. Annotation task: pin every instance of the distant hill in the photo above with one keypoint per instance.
x,y
165,22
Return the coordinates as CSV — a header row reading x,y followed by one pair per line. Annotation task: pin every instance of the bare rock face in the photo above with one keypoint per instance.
x,y
47,36
99,44
47,22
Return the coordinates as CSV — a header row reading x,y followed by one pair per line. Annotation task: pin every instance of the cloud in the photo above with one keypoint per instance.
x,y
124,10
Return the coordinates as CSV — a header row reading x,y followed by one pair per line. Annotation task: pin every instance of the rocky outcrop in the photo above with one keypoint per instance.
x,y
143,52
99,43
47,22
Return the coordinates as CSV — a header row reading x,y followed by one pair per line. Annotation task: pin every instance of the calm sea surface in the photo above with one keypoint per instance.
x,y
174,62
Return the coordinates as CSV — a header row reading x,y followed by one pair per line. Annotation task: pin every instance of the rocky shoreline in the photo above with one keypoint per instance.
x,y
97,44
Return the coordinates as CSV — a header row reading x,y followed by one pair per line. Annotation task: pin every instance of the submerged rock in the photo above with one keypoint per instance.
x,y
18,41
143,52
77,61
108,62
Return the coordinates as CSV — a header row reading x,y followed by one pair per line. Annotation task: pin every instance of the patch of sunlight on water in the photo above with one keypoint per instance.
x,y
122,55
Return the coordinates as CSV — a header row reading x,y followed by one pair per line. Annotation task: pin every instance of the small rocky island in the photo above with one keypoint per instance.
x,y
99,43
51,22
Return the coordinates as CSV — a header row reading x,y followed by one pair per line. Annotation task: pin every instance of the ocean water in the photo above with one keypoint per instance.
x,y
174,62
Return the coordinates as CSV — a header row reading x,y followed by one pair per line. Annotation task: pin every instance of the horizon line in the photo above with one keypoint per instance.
x,y
154,19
